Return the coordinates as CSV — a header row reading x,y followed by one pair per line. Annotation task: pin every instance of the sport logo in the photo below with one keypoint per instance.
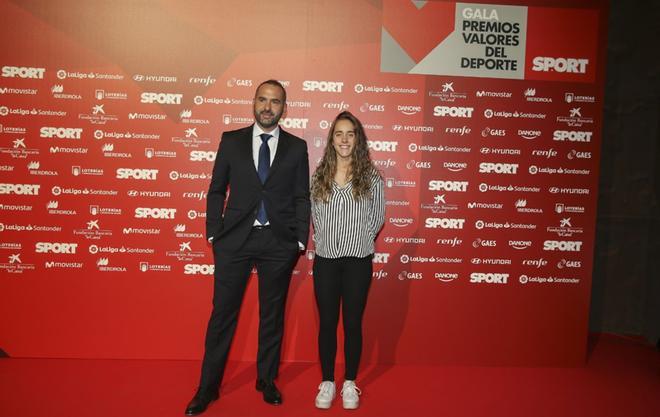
x,y
60,132
154,213
160,98
137,174
294,123
382,146
439,185
56,247
443,111
444,223
198,269
197,156
488,278
323,86
20,189
568,65
562,245
571,136
23,72
498,168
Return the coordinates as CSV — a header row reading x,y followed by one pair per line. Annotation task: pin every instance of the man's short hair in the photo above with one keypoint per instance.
x,y
273,83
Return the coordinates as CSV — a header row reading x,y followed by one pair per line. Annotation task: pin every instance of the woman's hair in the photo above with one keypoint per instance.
x,y
361,171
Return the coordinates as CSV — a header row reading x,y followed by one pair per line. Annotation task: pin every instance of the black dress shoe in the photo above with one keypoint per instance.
x,y
200,402
270,392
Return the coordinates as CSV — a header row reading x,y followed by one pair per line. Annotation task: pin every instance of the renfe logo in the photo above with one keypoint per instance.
x,y
323,86
23,72
570,65
562,245
137,174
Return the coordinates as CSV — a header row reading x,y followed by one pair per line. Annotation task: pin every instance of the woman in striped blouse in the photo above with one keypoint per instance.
x,y
348,209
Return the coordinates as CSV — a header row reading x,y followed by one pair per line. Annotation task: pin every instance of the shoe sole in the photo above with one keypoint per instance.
x,y
350,406
323,405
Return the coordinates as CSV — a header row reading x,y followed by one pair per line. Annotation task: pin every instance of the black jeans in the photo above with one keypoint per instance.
x,y
342,281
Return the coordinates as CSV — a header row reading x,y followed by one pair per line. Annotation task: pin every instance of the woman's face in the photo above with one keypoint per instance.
x,y
343,139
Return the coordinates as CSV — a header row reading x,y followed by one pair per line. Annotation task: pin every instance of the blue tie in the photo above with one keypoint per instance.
x,y
262,169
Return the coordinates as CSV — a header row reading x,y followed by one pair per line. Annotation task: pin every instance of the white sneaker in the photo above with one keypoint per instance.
x,y
350,395
326,394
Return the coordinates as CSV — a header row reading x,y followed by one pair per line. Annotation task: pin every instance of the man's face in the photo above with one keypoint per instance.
x,y
268,106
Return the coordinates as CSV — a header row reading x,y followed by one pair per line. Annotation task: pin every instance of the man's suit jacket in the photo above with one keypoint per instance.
x,y
235,191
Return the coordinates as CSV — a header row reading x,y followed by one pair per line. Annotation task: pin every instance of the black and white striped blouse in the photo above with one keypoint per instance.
x,y
345,226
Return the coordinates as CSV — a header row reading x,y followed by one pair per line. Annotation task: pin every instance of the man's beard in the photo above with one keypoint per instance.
x,y
267,122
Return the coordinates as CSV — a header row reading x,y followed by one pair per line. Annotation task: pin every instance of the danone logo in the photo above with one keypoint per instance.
x,y
529,134
401,221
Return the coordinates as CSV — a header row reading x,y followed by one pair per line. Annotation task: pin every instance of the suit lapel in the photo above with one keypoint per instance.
x,y
246,153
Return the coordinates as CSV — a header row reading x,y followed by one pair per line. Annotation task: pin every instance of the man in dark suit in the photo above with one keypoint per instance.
x,y
257,215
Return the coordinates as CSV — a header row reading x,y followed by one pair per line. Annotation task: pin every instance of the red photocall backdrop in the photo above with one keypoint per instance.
x,y
485,121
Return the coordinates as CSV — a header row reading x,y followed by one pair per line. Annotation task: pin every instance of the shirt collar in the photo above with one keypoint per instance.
x,y
257,130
